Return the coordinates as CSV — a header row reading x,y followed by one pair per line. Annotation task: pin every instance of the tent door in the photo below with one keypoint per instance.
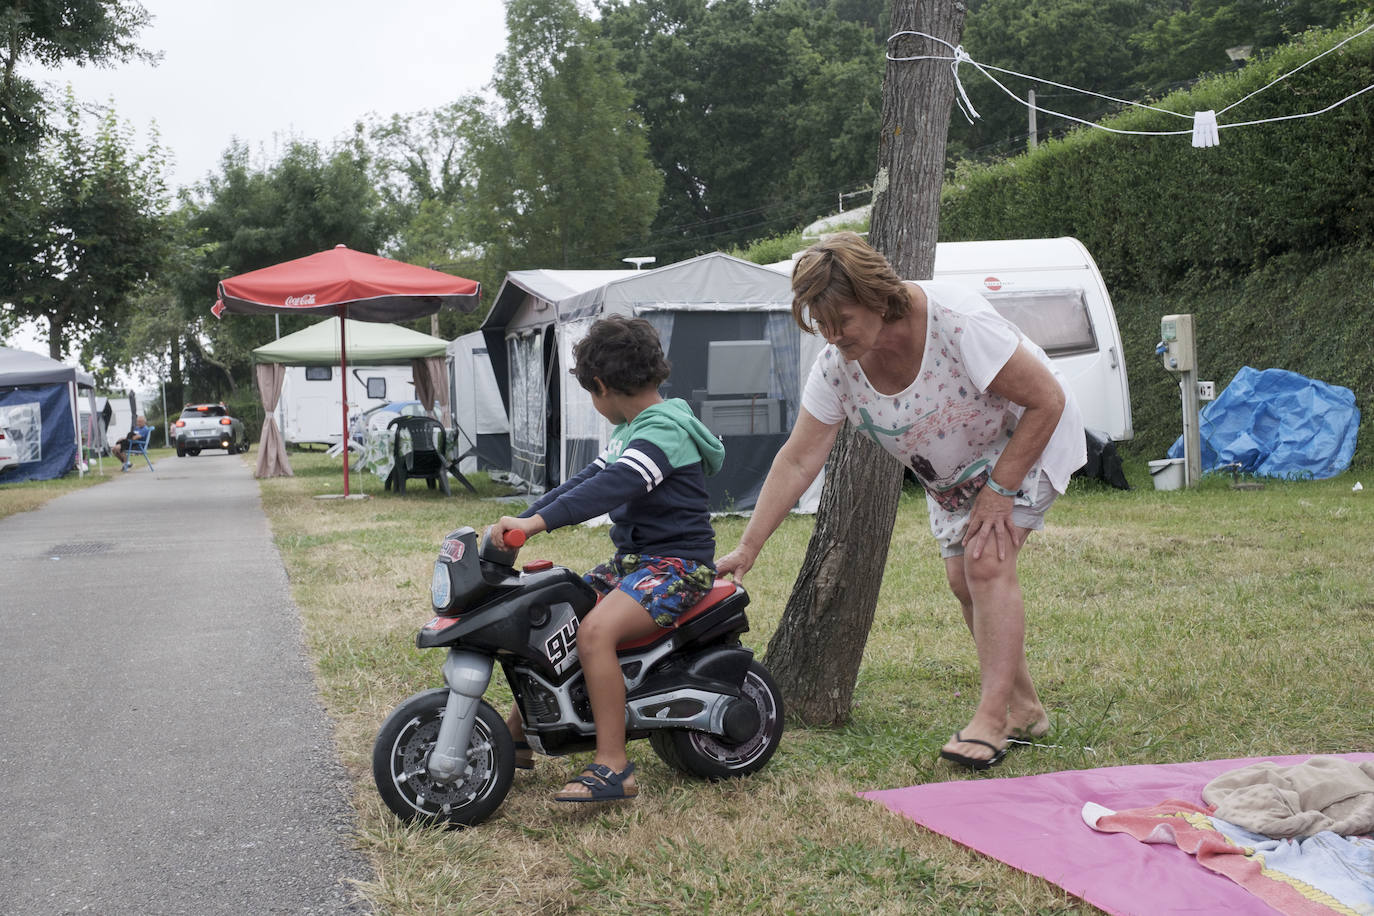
x,y
528,444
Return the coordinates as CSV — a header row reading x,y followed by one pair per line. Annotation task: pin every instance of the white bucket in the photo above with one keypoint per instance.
x,y
1167,473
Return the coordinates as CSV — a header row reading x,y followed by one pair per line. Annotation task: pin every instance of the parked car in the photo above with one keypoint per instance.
x,y
377,418
208,426
9,450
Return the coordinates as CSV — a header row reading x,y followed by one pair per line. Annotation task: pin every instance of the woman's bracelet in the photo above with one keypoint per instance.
x,y
1000,490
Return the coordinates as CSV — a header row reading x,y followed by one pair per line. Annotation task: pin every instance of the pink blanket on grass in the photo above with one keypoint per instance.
x,y
1035,823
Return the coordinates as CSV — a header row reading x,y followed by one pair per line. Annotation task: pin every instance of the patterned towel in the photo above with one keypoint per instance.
x,y
1320,875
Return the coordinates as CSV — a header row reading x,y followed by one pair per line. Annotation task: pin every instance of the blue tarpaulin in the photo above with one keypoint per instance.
x,y
38,419
1276,423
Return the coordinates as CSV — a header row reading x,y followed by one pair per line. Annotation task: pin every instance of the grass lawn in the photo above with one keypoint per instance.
x,y
1163,627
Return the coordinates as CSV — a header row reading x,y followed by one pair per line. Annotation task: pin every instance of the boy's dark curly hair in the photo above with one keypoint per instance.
x,y
624,353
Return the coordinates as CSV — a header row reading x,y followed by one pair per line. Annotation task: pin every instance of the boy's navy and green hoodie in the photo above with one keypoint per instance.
x,y
652,480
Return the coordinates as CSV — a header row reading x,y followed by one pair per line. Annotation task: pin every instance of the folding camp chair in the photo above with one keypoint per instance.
x,y
139,447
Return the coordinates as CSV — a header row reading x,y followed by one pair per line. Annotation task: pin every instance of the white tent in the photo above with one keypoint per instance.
x,y
38,407
479,419
369,344
726,325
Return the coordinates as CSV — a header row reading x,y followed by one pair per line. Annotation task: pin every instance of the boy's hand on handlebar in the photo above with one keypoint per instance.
x,y
526,526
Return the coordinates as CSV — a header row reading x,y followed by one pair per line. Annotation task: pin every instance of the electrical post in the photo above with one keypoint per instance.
x,y
1179,353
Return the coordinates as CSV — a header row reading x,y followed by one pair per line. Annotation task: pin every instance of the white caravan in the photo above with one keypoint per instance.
x,y
1053,291
309,409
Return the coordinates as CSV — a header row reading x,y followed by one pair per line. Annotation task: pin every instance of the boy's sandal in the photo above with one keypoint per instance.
x,y
604,783
524,756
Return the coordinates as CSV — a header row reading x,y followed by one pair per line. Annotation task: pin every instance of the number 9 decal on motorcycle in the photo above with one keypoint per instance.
x,y
561,647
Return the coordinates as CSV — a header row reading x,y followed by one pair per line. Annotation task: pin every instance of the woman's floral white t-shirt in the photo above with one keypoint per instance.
x,y
946,426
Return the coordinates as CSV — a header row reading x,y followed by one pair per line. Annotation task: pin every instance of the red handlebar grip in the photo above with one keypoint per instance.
x,y
514,538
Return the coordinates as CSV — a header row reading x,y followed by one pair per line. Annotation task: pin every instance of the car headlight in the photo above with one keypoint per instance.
x,y
440,587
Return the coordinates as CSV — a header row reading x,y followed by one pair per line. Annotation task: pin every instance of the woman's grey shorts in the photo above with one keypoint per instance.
x,y
1027,512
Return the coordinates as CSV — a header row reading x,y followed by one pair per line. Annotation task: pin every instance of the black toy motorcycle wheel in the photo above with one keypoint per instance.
x,y
400,760
700,754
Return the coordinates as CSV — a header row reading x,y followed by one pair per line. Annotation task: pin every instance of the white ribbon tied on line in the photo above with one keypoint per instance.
x,y
1205,131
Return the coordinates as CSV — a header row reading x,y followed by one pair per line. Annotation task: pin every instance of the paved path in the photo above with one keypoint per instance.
x,y
169,754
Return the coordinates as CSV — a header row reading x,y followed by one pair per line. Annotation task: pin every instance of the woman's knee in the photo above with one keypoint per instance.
x,y
958,582
988,571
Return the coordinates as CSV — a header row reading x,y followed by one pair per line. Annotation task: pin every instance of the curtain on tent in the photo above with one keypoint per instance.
x,y
663,324
272,460
584,430
527,443
785,380
431,386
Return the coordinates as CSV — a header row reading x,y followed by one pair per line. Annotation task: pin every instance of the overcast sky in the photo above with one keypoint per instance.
x,y
263,71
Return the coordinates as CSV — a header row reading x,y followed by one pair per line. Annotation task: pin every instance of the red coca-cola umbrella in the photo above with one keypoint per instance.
x,y
350,284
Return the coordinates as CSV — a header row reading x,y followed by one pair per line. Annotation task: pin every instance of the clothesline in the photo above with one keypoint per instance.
x,y
1205,126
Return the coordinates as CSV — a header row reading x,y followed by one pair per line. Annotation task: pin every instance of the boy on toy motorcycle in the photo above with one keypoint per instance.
x,y
652,480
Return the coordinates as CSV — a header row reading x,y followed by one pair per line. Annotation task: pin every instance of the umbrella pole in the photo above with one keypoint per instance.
x,y
343,372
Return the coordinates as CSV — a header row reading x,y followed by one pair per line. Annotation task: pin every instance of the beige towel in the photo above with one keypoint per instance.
x,y
1323,793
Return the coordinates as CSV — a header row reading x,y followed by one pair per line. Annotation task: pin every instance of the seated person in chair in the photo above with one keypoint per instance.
x,y
139,432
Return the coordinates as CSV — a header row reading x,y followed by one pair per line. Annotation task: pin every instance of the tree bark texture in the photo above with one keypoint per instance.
x,y
817,649
917,98
815,653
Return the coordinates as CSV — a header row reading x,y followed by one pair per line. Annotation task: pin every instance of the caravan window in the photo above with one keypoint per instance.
x,y
376,388
319,373
1056,319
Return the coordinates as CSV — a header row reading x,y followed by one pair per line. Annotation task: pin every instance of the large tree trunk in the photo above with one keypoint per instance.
x,y
917,97
816,650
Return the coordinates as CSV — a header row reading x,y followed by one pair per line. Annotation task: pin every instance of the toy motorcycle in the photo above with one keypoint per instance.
x,y
445,756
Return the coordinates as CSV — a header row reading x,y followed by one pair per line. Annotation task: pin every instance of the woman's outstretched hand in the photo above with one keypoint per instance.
x,y
736,563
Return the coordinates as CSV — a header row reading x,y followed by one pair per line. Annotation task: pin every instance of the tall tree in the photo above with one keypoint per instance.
x,y
1081,43
427,176
760,112
50,33
565,178
835,595
249,216
96,229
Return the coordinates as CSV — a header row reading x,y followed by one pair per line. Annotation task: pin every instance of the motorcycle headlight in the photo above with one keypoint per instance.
x,y
440,587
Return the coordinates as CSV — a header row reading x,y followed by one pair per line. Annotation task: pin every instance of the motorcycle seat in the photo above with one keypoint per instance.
x,y
723,589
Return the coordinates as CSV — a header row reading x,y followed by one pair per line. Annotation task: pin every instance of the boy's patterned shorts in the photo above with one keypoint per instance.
x,y
666,587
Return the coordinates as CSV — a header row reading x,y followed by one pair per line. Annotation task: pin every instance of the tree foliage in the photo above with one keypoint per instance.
x,y
760,113
93,229
250,216
427,175
565,177
50,33
1117,48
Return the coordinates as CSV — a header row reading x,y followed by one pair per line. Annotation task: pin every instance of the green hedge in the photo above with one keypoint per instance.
x,y
1267,239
